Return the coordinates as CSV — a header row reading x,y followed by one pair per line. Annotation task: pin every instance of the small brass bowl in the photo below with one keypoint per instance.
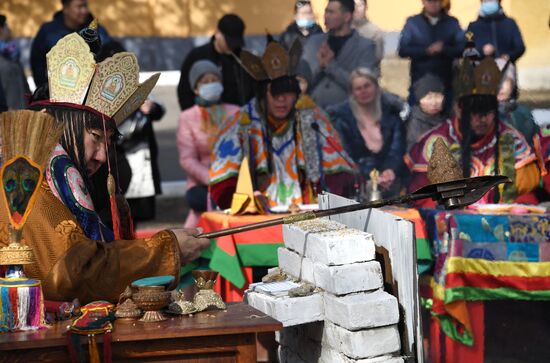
x,y
151,299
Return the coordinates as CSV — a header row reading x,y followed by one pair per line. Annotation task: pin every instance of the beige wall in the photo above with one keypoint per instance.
x,y
181,18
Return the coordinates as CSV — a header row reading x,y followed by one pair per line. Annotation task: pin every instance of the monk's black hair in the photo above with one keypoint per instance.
x,y
479,105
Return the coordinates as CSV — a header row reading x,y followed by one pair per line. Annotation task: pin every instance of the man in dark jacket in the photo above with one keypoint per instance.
x,y
334,55
238,86
432,40
302,27
13,82
74,16
495,34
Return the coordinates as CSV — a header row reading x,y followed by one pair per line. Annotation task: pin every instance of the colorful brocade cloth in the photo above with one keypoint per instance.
x,y
485,257
69,187
288,155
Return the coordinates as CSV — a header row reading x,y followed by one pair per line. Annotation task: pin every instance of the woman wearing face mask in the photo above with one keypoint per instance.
x,y
303,25
371,130
197,131
428,113
496,34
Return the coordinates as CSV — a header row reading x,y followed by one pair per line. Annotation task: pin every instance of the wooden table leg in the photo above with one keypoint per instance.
x,y
246,349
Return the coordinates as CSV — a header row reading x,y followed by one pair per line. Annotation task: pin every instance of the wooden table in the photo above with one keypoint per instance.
x,y
212,336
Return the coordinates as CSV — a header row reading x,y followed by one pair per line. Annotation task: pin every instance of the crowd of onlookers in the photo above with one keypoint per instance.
x,y
339,70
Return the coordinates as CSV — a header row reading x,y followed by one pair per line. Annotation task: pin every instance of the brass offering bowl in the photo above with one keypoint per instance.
x,y
151,299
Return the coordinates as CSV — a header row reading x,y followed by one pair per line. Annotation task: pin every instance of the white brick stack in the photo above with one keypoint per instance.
x,y
353,319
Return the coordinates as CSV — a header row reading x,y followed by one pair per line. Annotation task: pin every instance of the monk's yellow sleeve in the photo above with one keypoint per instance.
x,y
527,178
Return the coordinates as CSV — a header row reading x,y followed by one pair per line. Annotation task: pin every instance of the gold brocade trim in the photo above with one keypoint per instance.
x,y
69,230
136,99
4,234
159,239
71,67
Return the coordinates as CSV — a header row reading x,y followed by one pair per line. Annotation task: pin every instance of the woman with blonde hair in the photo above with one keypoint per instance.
x,y
371,130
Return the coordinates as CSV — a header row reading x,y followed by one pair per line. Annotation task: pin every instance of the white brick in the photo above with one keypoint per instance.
x,y
362,343
308,271
332,356
290,262
295,234
383,359
340,247
346,279
298,267
329,355
362,310
289,311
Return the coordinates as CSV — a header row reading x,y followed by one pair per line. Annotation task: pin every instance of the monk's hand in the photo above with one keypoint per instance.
x,y
190,246
325,55
489,49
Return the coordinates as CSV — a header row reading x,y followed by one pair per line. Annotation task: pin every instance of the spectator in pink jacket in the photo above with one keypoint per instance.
x,y
197,132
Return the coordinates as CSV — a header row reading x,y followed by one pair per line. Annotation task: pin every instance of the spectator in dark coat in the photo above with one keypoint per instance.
x,y
137,151
13,82
495,34
371,130
238,86
303,25
74,17
432,40
332,56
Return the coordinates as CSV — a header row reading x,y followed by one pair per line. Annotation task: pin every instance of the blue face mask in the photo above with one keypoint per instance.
x,y
489,8
305,23
211,92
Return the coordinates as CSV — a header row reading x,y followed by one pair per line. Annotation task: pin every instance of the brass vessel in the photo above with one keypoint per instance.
x,y
151,299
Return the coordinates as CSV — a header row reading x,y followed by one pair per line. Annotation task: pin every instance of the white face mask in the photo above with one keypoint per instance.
x,y
489,8
211,92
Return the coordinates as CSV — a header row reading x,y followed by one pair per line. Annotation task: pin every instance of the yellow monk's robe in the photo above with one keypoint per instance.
x,y
70,265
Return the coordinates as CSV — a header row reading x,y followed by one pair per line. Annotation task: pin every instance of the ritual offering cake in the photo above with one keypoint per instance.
x,y
443,166
28,140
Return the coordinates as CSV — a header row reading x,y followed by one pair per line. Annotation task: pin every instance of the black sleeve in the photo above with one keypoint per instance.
x,y
38,59
3,103
186,96
157,112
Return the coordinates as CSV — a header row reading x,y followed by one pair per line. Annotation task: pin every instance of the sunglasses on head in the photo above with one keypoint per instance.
x,y
302,3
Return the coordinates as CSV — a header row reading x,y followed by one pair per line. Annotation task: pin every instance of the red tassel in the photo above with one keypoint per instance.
x,y
114,209
71,346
